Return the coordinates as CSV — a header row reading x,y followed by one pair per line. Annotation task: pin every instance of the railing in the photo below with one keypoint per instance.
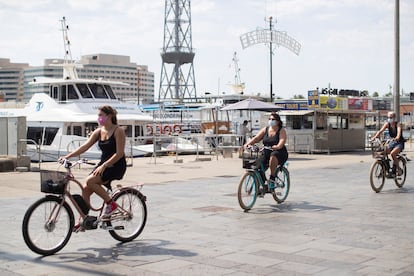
x,y
38,148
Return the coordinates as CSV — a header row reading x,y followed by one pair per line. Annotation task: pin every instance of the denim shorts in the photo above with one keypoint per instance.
x,y
396,144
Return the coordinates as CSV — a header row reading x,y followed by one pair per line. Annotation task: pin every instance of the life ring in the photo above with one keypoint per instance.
x,y
177,128
150,130
167,129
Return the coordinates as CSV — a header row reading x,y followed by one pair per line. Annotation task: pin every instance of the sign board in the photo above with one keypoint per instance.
x,y
313,99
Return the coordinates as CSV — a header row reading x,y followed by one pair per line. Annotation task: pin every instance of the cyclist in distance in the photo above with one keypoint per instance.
x,y
274,136
111,141
397,144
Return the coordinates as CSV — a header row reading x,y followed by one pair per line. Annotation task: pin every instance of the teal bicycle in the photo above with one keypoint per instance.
x,y
254,183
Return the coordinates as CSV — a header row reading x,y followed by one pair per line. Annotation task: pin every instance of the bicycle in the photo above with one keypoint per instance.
x,y
381,167
49,222
253,182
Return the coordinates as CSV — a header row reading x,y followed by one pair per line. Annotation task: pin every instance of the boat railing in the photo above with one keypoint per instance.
x,y
38,148
194,143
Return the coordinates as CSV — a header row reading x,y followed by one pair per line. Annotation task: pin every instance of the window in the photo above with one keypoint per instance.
x,y
77,130
338,121
128,131
62,96
54,92
98,91
138,131
308,122
84,91
35,134
72,93
110,92
50,133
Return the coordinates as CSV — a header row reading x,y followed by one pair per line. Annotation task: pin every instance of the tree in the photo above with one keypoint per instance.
x,y
298,97
375,94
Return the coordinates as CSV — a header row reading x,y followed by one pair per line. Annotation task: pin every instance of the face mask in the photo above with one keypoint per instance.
x,y
102,120
390,120
271,122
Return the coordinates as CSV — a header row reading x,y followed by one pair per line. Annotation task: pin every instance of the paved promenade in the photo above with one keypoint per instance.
x,y
331,224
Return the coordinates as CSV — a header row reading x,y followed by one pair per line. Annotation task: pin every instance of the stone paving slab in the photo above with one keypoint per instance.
x,y
331,224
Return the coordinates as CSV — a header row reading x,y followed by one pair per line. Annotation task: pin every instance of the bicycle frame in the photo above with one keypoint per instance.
x,y
99,209
384,157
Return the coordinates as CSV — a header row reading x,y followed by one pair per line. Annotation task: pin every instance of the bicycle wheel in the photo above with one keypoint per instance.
x,y
400,179
247,191
129,222
282,179
377,175
47,227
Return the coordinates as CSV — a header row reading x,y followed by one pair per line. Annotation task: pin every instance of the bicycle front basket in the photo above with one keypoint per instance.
x,y
52,182
250,160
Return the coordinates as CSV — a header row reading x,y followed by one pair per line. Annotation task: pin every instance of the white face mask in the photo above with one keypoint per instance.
x,y
271,122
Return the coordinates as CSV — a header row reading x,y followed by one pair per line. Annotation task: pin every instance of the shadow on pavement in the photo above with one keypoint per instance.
x,y
147,249
292,207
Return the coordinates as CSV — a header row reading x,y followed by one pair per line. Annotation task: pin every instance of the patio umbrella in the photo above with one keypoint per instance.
x,y
252,104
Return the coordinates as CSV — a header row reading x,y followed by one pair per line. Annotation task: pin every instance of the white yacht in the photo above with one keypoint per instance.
x,y
61,121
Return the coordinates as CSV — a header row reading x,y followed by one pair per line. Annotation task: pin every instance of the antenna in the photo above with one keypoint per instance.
x,y
238,86
69,66
66,41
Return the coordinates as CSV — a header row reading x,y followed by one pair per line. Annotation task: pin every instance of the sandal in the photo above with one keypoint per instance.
x,y
78,227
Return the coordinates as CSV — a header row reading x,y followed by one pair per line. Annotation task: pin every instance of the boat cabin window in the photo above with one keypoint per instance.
x,y
72,93
84,91
139,131
36,134
54,92
63,93
110,92
62,96
77,130
98,91
89,128
128,130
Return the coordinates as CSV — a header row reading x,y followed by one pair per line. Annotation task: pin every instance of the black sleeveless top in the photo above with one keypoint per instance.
x,y
272,140
394,131
108,148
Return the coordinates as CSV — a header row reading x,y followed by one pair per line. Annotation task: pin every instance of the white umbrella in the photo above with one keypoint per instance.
x,y
252,104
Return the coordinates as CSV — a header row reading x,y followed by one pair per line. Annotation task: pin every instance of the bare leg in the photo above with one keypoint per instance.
x,y
394,154
273,162
94,185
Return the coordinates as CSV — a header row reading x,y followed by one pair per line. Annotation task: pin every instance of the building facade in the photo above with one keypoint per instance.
x,y
15,78
11,80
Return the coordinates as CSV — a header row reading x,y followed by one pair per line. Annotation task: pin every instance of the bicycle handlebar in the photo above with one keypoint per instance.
x,y
257,148
69,164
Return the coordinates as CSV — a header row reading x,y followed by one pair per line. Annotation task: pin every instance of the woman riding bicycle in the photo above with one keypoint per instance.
x,y
397,144
111,141
274,136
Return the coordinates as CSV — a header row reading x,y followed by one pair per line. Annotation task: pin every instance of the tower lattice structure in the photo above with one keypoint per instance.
x,y
177,82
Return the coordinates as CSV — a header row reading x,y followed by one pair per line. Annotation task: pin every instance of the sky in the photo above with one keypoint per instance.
x,y
345,44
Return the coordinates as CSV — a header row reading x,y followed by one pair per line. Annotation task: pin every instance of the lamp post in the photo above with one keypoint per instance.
x,y
271,57
397,60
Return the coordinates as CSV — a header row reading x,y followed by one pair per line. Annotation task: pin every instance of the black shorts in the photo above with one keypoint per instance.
x,y
116,172
281,155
